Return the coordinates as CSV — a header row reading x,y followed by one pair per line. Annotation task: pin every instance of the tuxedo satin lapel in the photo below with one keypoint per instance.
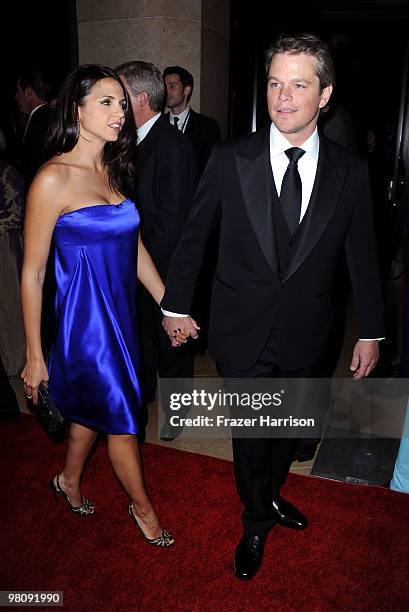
x,y
255,181
324,197
190,125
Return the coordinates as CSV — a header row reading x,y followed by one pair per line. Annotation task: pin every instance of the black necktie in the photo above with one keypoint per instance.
x,y
291,189
175,122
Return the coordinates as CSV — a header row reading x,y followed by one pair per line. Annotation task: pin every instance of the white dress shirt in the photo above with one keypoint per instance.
x,y
307,164
183,118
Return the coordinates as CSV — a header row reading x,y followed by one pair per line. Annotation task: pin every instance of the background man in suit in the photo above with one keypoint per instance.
x,y
202,131
166,177
33,95
290,201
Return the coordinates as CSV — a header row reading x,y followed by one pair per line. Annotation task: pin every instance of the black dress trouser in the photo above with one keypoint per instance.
x,y
261,465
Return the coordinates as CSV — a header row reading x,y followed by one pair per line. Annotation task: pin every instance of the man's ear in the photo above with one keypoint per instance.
x,y
187,91
29,92
325,95
143,98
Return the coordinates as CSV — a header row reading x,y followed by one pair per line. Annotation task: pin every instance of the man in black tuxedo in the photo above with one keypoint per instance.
x,y
166,177
202,131
32,95
290,201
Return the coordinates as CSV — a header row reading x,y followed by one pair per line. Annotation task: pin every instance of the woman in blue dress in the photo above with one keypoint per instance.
x,y
78,202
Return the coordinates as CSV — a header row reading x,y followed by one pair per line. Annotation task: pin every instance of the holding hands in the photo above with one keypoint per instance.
x,y
179,329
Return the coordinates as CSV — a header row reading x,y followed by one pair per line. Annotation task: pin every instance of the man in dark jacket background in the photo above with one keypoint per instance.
x,y
202,131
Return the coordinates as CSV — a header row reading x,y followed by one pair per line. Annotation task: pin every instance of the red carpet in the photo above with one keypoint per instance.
x,y
354,555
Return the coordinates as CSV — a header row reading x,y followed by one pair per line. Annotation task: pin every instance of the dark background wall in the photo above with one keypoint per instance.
x,y
368,39
34,34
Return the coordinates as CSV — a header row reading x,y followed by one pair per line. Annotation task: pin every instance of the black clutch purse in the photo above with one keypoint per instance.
x,y
48,413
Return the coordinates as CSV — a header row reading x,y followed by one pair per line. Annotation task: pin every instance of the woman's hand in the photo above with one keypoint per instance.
x,y
179,329
34,373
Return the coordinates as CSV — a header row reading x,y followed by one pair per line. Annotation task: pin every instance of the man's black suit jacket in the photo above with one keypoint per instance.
x,y
166,177
250,295
203,132
35,153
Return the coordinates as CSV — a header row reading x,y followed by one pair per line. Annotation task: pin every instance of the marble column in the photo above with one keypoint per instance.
x,y
191,33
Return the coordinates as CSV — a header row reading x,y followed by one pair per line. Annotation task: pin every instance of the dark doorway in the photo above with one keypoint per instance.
x,y
40,35
368,39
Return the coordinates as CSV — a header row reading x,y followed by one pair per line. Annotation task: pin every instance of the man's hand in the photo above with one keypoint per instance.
x,y
364,358
179,329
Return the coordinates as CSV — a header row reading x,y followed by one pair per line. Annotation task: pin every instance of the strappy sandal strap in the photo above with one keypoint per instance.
x,y
164,540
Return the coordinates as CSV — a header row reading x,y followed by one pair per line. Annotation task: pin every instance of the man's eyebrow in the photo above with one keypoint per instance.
x,y
300,80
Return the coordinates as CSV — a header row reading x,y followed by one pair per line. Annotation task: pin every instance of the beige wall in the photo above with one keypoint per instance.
x,y
191,33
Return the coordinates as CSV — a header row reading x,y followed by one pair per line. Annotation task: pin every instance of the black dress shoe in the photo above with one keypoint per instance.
x,y
169,433
166,436
248,555
287,515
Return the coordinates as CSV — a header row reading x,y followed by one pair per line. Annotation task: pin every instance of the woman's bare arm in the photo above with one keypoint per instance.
x,y
148,274
149,277
42,211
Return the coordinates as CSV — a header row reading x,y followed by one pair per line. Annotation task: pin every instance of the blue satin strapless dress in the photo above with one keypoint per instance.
x,y
95,358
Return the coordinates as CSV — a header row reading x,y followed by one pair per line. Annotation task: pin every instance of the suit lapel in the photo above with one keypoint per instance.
x,y
190,124
327,189
254,171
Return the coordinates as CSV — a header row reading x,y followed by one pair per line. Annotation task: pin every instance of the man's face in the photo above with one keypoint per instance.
x,y
176,94
23,99
294,96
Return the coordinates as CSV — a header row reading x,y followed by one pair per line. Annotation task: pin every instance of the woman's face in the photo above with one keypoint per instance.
x,y
102,113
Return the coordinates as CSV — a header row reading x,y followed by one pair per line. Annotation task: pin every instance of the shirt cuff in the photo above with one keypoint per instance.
x,y
177,315
371,339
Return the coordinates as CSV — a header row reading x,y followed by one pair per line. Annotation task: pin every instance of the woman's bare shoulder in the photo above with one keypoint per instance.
x,y
50,184
54,172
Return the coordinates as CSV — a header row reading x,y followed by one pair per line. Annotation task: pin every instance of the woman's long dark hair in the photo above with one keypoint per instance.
x,y
64,131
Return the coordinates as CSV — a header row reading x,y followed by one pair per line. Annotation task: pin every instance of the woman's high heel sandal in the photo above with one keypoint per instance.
x,y
163,540
87,506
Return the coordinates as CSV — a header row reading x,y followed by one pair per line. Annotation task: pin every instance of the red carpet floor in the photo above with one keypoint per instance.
x,y
354,555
